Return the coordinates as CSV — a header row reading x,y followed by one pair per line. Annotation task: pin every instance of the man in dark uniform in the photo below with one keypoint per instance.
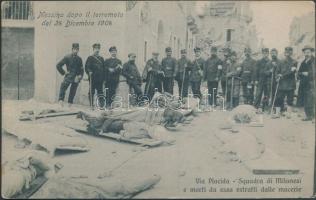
x,y
168,65
196,74
233,81
182,74
153,76
73,75
226,62
286,77
113,68
307,75
213,65
132,76
275,61
95,70
262,79
248,76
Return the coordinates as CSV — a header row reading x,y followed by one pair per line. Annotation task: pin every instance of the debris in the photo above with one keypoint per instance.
x,y
244,114
30,115
92,188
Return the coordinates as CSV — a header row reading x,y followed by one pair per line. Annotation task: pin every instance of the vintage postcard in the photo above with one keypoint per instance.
x,y
157,99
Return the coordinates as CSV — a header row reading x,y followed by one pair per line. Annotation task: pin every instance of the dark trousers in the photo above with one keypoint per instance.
x,y
183,88
63,87
96,86
151,85
110,87
136,87
196,89
168,84
279,102
262,89
309,103
223,84
248,93
212,95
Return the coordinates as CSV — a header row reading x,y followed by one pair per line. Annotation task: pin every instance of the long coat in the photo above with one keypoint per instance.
x,y
307,85
95,64
198,66
211,69
234,72
287,81
248,70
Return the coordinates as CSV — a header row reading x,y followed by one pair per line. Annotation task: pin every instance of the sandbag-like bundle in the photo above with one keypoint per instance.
x,y
160,133
244,114
18,175
135,130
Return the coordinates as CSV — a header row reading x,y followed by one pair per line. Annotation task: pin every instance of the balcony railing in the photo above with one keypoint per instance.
x,y
17,10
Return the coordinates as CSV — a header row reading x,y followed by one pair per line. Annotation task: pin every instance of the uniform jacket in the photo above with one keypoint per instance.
x,y
225,65
168,65
248,70
183,65
131,73
307,82
152,68
112,69
287,81
198,66
263,71
95,64
74,67
211,71
234,70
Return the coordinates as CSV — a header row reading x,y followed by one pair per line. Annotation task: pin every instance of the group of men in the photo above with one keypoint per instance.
x,y
264,83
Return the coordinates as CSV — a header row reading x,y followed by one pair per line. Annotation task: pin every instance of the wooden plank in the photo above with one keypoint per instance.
x,y
144,141
57,114
34,186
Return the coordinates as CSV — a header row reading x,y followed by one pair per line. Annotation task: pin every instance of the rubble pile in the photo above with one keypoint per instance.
x,y
244,114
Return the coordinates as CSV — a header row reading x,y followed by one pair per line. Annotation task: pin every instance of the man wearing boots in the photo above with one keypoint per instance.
x,y
247,76
72,76
306,74
182,74
286,76
168,65
196,74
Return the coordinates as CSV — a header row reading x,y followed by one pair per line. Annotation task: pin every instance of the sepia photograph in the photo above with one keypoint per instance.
x,y
157,99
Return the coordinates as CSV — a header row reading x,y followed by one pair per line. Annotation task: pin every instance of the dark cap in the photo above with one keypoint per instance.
x,y
308,47
265,50
214,49
247,50
288,49
113,48
274,49
155,53
168,49
197,49
75,45
131,55
233,53
96,45
183,51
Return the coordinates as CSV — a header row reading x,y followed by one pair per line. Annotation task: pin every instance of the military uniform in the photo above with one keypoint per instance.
x,y
95,66
287,82
226,63
152,75
263,76
113,71
213,65
74,69
275,63
247,78
233,74
183,68
308,86
168,65
196,76
133,78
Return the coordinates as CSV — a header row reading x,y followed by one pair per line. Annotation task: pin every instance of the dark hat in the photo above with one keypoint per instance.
x,y
183,51
155,53
308,47
113,48
288,49
75,45
214,49
197,49
96,45
265,50
247,50
131,55
168,49
233,53
274,49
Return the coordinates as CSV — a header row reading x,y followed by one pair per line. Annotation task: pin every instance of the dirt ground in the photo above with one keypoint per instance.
x,y
195,154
